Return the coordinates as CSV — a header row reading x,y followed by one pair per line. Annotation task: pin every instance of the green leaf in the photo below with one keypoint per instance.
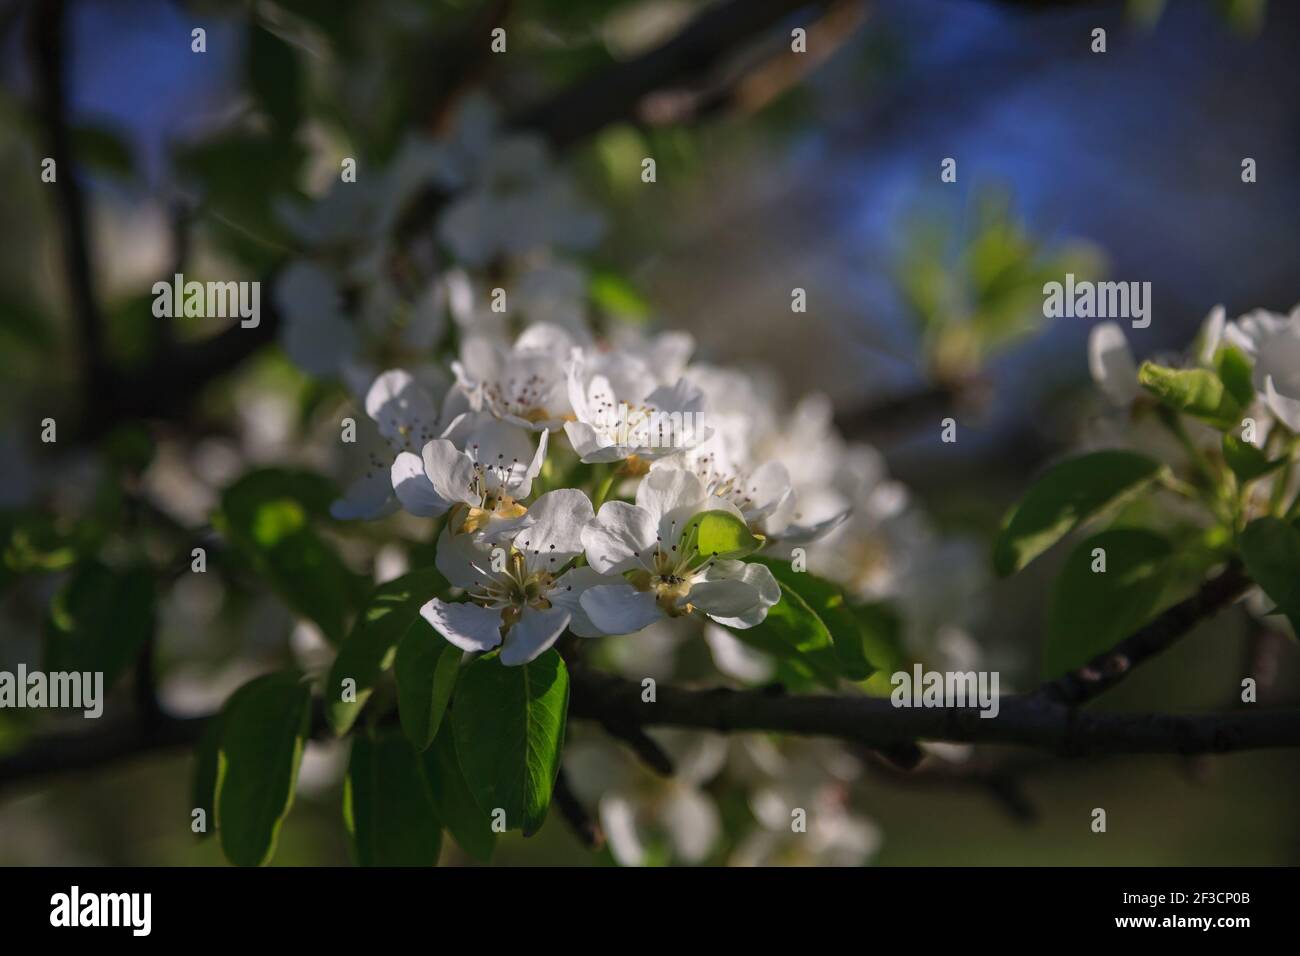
x,y
391,611
719,534
508,724
850,633
880,632
33,541
1194,391
454,804
274,77
612,293
386,804
207,764
426,668
266,515
798,638
99,621
1092,611
1066,495
1271,550
1236,373
264,728
1246,461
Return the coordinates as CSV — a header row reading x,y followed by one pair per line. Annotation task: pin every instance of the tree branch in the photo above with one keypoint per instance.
x,y
616,93
875,722
1046,719
116,741
583,825
1106,670
47,46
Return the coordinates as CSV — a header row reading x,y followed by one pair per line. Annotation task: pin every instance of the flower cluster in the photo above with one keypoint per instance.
x,y
1237,439
593,478
508,456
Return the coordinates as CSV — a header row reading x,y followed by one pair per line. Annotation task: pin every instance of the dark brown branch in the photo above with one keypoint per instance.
x,y
1026,721
641,744
103,746
617,92
874,722
47,48
1106,670
455,61
1048,719
1003,781
582,824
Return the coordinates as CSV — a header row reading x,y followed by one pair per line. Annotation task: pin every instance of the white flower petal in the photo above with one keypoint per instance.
x,y
468,626
402,409
691,819
367,498
464,560
757,578
567,593
408,480
615,540
620,608
450,472
618,820
665,490
727,597
766,490
1284,407
587,444
554,534
534,632
1111,363
1212,334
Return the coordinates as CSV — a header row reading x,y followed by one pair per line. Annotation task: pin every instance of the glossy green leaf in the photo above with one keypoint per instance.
x,y
850,633
426,667
1270,549
508,724
371,647
1194,391
797,637
1246,461
387,808
455,805
880,632
207,764
99,620
1062,498
1236,373
719,534
1093,610
264,728
268,516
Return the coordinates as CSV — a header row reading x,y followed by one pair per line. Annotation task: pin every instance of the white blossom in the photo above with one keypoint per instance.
x,y
522,595
666,576
1272,341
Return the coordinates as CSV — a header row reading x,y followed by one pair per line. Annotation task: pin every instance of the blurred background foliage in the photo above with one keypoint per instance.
x,y
924,297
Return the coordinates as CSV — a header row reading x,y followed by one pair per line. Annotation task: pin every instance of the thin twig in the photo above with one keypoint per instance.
x,y
584,826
